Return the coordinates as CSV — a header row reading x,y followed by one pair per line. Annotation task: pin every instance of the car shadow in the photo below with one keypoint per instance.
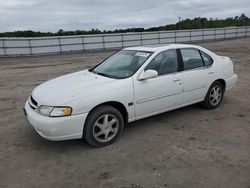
x,y
169,117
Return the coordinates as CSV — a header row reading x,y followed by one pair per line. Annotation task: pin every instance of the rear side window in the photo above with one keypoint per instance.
x,y
207,59
191,58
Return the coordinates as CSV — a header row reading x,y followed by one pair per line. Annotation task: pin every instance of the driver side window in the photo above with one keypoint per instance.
x,y
164,63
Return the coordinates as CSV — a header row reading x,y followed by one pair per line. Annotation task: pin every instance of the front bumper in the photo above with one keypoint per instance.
x,y
56,128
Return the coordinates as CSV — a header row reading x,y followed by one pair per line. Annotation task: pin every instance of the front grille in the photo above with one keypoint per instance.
x,y
33,101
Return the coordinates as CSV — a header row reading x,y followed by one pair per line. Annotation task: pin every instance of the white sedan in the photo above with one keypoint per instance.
x,y
135,83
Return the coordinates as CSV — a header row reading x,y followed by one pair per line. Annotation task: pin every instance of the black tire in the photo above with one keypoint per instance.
x,y
97,118
208,102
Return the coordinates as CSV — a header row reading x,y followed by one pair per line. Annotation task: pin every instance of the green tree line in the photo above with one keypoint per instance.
x,y
196,23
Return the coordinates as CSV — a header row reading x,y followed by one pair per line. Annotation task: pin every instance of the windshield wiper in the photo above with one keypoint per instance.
x,y
106,75
102,74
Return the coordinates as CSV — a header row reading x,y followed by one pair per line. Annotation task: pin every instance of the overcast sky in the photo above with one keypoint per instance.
x,y
52,15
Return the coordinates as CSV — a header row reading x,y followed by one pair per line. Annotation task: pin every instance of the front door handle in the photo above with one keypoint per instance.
x,y
212,72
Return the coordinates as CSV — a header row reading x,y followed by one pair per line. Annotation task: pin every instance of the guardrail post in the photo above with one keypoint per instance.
x,y
30,46
122,40
141,37
4,48
83,47
60,46
159,41
203,37
224,33
175,36
190,36
103,42
236,33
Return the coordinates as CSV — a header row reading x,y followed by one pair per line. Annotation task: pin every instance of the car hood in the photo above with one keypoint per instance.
x,y
58,91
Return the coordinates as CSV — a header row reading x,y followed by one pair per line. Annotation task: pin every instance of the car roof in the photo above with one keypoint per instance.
x,y
160,47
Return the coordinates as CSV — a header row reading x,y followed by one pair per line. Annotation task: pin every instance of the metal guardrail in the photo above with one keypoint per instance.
x,y
51,45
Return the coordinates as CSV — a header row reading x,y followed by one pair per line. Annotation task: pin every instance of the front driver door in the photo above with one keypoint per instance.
x,y
162,93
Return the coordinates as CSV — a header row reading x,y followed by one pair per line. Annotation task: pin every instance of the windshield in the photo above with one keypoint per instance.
x,y
122,64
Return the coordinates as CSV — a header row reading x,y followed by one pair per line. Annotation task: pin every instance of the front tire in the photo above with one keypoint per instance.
x,y
103,126
214,95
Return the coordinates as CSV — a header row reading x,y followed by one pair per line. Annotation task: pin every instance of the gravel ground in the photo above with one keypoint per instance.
x,y
189,147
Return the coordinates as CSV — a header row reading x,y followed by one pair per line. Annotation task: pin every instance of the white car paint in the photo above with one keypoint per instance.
x,y
85,90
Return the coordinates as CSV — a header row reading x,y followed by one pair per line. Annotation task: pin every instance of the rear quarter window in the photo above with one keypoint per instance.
x,y
207,59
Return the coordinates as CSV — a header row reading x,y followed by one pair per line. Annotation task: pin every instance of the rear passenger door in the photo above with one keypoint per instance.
x,y
195,75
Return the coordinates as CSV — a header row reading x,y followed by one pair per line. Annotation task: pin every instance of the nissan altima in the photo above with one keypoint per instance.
x,y
134,83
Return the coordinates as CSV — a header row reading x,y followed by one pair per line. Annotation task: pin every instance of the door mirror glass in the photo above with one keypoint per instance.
x,y
148,74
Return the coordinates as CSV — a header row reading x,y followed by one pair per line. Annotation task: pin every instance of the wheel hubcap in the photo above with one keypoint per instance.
x,y
105,128
215,95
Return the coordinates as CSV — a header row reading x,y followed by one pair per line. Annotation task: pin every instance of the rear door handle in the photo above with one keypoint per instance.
x,y
176,80
211,72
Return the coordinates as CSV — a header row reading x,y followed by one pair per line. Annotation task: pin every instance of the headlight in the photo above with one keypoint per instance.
x,y
61,111
54,111
44,110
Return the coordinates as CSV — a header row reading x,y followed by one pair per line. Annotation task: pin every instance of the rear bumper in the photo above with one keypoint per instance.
x,y
231,81
60,128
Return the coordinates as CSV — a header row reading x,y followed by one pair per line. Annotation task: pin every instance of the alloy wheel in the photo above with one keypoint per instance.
x,y
105,128
215,95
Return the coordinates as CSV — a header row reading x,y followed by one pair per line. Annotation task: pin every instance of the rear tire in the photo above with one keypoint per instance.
x,y
103,126
214,96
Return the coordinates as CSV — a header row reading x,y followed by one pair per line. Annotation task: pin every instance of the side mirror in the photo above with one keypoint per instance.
x,y
148,74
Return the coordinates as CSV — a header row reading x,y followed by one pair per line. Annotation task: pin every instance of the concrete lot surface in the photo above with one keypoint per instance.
x,y
189,147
